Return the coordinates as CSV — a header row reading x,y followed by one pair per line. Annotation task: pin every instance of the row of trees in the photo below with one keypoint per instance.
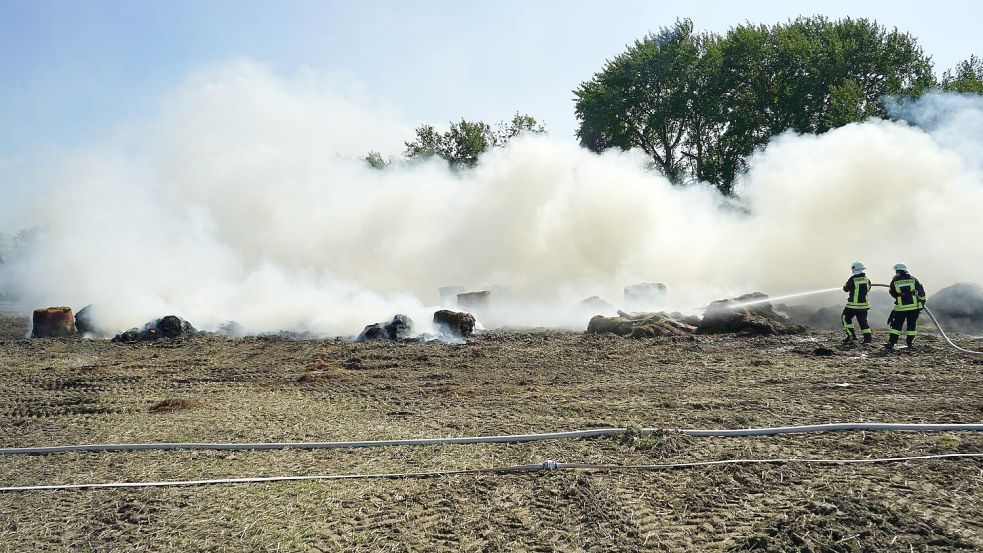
x,y
700,103
463,142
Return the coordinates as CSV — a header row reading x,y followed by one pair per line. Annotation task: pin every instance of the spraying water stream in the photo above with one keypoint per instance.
x,y
785,297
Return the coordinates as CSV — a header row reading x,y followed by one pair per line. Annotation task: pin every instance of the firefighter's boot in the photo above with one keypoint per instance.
x,y
889,346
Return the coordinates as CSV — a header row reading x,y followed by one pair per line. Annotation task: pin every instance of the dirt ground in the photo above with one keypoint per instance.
x,y
68,391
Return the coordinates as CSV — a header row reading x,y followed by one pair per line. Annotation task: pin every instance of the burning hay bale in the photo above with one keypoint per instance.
x,y
400,328
959,306
741,315
53,322
455,323
643,325
169,327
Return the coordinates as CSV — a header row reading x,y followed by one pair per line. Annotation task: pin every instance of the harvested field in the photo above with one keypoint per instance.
x,y
66,391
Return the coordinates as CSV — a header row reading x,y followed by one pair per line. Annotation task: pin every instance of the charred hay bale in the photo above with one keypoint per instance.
x,y
85,322
959,306
173,326
400,328
691,320
455,323
730,316
167,327
372,333
646,325
52,322
128,336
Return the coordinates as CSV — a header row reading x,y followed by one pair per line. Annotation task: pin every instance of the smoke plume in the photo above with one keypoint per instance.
x,y
246,199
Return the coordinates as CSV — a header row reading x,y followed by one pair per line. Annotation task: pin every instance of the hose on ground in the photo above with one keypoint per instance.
x,y
512,438
938,326
545,466
946,336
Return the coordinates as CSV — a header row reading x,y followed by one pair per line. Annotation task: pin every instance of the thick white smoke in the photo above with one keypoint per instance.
x,y
247,200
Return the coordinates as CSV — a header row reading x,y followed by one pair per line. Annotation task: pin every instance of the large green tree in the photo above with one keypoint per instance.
x,y
699,104
649,97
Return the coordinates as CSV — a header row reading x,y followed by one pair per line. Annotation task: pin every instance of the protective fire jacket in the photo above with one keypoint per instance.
x,y
908,293
858,288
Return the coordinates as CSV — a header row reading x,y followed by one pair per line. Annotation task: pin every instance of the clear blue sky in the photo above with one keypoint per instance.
x,y
75,69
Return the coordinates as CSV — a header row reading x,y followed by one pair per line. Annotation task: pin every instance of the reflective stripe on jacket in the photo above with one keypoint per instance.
x,y
858,287
907,292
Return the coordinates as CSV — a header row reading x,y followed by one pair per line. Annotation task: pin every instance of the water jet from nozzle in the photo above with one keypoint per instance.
x,y
779,298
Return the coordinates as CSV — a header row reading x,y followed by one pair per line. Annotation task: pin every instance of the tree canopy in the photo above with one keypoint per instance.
x,y
465,140
966,77
700,103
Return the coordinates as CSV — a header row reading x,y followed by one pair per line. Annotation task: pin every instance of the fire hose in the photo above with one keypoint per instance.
x,y
545,466
548,466
939,326
519,438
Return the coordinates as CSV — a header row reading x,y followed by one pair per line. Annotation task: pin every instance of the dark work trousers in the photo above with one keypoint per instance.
x,y
861,315
908,318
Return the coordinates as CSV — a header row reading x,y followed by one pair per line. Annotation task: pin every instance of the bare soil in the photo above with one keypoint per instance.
x,y
66,391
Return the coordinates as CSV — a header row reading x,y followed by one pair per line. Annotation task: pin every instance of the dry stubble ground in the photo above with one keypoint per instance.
x,y
64,391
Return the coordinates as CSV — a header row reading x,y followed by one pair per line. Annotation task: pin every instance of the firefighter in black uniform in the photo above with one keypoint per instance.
x,y
857,305
909,299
